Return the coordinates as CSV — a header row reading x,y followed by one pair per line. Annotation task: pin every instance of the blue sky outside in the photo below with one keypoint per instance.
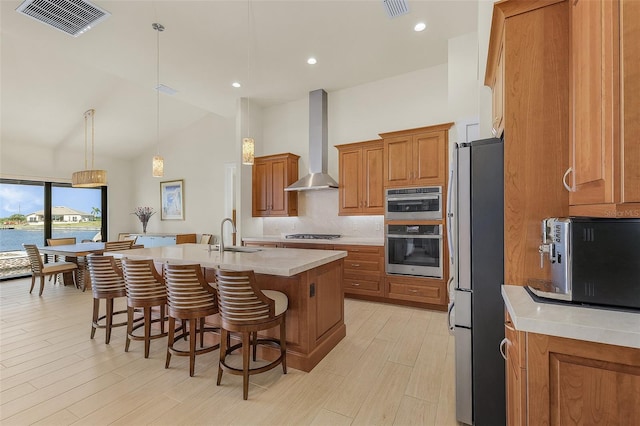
x,y
26,199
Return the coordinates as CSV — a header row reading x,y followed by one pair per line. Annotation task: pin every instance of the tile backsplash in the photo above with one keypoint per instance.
x,y
318,214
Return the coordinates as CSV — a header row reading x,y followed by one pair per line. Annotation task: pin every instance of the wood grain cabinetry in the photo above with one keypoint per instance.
x,y
560,381
271,175
605,108
497,123
363,270
361,189
415,289
536,123
416,157
514,350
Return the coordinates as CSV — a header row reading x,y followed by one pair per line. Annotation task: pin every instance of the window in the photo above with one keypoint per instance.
x,y
32,211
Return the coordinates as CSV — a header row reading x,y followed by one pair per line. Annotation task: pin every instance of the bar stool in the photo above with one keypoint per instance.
x,y
107,283
191,299
246,309
145,290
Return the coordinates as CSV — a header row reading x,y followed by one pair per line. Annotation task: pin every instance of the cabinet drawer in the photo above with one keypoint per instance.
x,y
420,292
357,265
355,250
363,286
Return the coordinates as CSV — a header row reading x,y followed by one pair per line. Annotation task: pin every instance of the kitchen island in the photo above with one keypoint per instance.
x,y
311,279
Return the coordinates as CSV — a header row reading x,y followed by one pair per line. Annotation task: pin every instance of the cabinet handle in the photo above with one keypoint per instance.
x,y
509,325
502,351
355,284
494,131
564,180
412,290
355,265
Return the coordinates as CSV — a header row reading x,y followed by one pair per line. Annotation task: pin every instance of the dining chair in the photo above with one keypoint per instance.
x,y
107,282
117,246
191,299
145,290
40,269
246,309
205,239
59,242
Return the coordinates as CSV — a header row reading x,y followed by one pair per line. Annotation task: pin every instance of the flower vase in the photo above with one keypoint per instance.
x,y
144,226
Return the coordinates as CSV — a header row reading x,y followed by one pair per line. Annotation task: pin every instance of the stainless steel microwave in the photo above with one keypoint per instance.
x,y
593,261
421,203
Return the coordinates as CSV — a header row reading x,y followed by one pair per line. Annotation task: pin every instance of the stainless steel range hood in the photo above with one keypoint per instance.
x,y
318,143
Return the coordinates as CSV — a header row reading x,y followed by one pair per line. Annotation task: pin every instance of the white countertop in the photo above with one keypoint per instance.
x,y
356,241
573,322
270,261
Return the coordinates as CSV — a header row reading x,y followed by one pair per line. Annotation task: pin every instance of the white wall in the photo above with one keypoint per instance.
x,y
197,155
28,162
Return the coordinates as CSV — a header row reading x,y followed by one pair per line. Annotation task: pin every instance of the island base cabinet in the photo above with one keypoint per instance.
x,y
315,314
577,382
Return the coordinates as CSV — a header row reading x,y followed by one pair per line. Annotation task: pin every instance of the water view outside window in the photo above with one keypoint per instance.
x,y
75,212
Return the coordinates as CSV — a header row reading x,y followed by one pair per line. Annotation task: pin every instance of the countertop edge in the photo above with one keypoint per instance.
x,y
356,241
573,322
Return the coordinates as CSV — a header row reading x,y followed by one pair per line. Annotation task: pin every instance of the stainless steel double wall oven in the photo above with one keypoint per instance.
x,y
413,242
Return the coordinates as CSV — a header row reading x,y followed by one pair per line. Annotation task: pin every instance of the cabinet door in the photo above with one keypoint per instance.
x,y
372,182
429,160
398,163
593,127
497,124
278,204
261,174
350,181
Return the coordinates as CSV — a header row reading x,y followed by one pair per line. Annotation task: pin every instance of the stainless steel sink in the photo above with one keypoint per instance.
x,y
241,249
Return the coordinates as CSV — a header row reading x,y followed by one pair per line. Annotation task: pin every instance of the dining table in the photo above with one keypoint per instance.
x,y
77,253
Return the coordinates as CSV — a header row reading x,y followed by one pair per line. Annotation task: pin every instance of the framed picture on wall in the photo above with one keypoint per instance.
x,y
172,200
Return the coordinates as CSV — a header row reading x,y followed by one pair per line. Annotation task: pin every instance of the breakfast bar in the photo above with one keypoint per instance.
x,y
311,279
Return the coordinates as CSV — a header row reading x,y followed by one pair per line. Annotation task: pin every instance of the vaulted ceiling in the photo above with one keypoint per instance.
x,y
48,78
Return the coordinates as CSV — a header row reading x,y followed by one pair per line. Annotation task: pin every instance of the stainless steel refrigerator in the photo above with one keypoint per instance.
x,y
479,312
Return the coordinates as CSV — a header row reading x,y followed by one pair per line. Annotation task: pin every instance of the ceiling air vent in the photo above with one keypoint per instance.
x,y
396,7
73,17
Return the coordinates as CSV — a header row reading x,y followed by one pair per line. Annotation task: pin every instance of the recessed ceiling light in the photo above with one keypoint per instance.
x,y
420,26
312,61
236,84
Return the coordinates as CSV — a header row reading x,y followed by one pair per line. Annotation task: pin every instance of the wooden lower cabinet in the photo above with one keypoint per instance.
x,y
363,270
415,289
560,381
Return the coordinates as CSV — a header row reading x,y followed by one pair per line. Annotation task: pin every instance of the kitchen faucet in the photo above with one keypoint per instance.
x,y
222,232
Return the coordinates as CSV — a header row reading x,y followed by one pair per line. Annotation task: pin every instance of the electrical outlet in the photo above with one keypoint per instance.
x,y
378,226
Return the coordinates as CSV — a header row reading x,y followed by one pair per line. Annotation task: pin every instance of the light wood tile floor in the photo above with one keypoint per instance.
x,y
396,367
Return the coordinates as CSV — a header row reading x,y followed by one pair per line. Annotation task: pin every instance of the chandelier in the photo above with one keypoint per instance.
x,y
89,178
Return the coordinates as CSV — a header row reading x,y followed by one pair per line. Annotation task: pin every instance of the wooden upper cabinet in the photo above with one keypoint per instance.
x,y
361,190
536,124
416,157
271,175
604,176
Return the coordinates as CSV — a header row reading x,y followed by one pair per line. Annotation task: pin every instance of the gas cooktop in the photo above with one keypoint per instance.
x,y
313,236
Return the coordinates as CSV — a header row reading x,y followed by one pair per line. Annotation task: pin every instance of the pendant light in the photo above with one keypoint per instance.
x,y
248,144
158,161
89,178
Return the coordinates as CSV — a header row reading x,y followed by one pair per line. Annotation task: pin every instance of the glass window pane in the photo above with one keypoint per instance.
x,y
76,212
21,221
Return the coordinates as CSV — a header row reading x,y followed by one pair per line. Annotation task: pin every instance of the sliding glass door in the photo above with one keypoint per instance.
x,y
32,211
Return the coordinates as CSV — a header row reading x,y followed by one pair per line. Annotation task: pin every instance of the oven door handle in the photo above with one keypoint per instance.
x,y
415,236
422,197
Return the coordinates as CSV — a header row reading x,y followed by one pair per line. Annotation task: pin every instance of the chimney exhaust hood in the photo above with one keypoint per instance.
x,y
318,143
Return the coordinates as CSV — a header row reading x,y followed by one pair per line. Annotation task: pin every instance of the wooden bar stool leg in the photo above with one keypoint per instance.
x,y
96,310
162,318
224,344
283,345
129,327
170,340
147,330
202,332
109,320
192,345
246,348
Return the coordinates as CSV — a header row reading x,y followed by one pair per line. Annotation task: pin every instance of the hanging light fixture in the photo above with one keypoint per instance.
x,y
158,161
89,178
248,144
